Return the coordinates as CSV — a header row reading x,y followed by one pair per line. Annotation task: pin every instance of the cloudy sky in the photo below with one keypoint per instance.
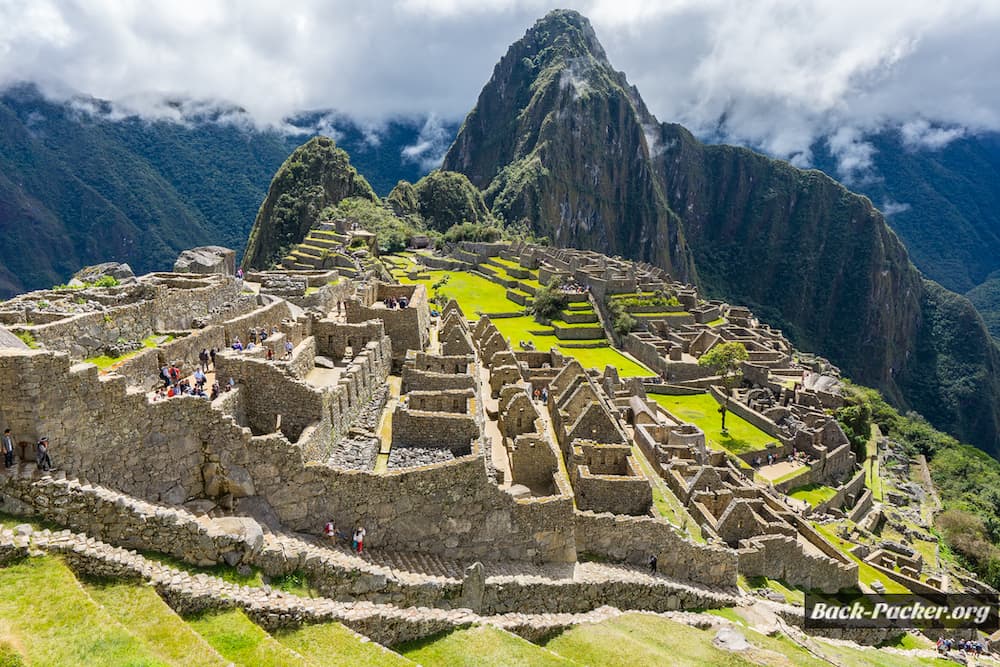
x,y
775,74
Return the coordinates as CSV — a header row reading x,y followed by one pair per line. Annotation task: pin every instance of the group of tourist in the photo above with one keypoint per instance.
x,y
575,287
42,458
357,537
392,302
795,456
946,645
541,394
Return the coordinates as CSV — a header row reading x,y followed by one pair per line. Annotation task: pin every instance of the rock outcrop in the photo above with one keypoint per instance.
x,y
441,199
207,259
560,140
316,175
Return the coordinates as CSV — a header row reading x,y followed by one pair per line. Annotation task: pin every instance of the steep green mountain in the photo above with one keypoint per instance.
x,y
557,138
442,199
80,185
317,174
560,139
944,203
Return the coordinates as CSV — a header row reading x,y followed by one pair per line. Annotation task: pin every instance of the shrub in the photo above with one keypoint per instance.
x,y
548,303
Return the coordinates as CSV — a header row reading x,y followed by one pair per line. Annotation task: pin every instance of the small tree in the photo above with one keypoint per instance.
x,y
548,302
440,298
726,361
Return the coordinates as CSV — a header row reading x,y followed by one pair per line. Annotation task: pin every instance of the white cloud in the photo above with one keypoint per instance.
x,y
431,145
776,74
890,207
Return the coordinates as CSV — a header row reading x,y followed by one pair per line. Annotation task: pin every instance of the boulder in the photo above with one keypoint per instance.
x,y
245,528
207,260
116,270
7,339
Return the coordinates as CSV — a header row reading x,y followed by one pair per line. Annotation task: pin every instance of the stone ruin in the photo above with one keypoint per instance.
x,y
425,430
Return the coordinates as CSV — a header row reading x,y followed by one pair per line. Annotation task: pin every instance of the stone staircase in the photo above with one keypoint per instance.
x,y
321,249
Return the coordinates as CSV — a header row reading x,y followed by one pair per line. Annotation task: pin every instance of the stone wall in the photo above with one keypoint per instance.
x,y
783,558
414,379
99,431
421,428
634,539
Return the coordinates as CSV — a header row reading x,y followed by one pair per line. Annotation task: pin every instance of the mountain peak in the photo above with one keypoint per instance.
x,y
563,32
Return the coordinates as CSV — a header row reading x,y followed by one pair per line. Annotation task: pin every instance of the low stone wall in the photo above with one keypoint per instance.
x,y
418,380
268,316
142,369
130,523
420,428
755,418
862,507
783,558
634,539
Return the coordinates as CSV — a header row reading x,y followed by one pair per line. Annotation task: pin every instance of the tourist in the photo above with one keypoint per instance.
x,y
652,563
288,349
42,459
175,374
237,345
359,539
7,445
203,359
239,274
211,355
216,390
537,394
330,531
165,376
270,354
403,302
545,394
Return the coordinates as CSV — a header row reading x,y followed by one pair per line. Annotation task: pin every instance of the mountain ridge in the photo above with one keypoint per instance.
x,y
743,226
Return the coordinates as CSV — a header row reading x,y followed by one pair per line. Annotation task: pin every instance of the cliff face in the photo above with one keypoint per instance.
x,y
559,139
316,175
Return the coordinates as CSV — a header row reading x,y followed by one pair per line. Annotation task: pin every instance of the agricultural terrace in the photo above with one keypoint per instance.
x,y
479,295
702,410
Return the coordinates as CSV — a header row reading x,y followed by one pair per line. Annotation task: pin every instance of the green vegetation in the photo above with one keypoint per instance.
x,y
468,231
316,175
814,494
52,621
666,503
103,281
473,293
793,594
238,639
27,338
701,410
447,198
621,321
104,362
866,573
141,610
967,480
549,302
726,361
394,233
634,640
333,645
480,646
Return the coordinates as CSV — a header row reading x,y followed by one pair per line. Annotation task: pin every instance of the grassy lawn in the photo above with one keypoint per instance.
x,y
793,594
599,357
866,573
52,621
873,477
334,645
703,411
480,646
848,656
640,640
104,362
814,494
242,641
473,293
668,505
146,615
716,322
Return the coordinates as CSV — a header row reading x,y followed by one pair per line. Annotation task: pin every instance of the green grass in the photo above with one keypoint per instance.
x,y
866,573
814,494
146,615
243,642
473,293
703,411
599,357
104,362
716,322
334,645
792,594
848,656
480,646
666,503
636,640
10,656
52,621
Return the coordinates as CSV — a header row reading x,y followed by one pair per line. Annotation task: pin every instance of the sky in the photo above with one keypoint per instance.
x,y
773,74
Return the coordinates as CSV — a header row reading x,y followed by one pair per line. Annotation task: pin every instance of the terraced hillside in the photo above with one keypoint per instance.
x,y
54,618
502,289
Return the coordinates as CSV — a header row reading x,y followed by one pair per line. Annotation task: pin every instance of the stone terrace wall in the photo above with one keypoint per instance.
x,y
634,539
421,428
157,451
781,557
266,316
131,523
